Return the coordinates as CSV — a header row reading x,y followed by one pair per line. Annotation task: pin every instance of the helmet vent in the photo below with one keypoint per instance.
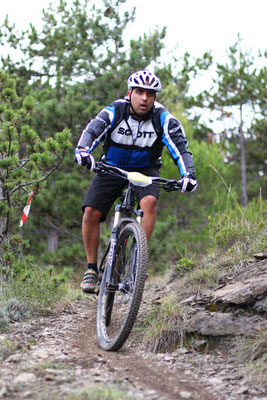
x,y
141,78
145,80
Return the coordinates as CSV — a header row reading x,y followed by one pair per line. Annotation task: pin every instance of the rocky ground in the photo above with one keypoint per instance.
x,y
236,307
58,357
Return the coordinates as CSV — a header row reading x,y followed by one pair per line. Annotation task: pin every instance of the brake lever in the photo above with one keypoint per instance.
x,y
172,185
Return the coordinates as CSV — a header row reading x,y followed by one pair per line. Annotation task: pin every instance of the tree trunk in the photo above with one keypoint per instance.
x,y
244,197
53,241
3,234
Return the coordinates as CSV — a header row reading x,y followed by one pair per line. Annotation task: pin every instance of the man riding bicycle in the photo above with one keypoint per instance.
x,y
134,131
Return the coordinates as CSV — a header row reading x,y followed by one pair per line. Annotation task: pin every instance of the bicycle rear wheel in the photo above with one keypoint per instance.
x,y
118,305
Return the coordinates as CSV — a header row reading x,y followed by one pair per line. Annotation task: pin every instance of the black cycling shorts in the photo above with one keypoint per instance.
x,y
104,189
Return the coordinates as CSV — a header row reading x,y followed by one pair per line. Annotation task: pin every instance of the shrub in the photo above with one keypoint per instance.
x,y
32,290
3,320
184,265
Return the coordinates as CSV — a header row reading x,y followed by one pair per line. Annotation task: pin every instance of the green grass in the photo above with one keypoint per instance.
x,y
50,364
96,392
240,230
34,290
235,235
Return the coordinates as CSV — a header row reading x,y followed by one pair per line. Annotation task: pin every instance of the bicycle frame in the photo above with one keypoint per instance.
x,y
124,265
125,210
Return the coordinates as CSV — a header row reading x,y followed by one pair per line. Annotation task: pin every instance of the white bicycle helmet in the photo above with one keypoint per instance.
x,y
145,80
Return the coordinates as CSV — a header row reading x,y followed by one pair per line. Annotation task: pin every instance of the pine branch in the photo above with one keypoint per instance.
x,y
37,180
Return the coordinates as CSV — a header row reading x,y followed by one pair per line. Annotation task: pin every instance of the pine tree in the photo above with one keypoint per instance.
x,y
26,161
75,65
239,92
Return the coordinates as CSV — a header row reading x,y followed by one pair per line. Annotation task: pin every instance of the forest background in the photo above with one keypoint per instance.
x,y
62,75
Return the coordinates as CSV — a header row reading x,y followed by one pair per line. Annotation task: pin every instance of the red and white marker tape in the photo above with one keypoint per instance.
x,y
26,209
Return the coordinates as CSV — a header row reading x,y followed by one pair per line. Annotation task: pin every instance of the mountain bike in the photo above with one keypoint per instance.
x,y
123,269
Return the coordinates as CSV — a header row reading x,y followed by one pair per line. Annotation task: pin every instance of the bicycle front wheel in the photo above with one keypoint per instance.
x,y
119,302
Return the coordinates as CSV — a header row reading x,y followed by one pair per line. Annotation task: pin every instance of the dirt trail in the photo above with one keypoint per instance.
x,y
56,357
141,372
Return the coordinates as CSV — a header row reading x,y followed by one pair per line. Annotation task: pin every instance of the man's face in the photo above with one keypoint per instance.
x,y
142,100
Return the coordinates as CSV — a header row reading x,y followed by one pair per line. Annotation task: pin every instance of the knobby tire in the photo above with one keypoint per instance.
x,y
117,309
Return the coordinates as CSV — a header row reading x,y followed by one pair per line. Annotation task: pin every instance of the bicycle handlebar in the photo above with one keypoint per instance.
x,y
137,178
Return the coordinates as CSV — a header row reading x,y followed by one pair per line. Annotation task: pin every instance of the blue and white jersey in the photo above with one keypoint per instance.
x,y
128,143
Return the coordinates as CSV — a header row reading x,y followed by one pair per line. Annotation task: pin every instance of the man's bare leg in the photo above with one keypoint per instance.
x,y
149,205
91,233
91,237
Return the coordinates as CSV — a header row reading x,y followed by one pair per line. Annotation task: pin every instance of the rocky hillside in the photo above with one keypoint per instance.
x,y
222,331
58,356
237,307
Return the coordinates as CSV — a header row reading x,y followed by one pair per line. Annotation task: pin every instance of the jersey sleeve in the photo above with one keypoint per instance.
x,y
174,138
96,130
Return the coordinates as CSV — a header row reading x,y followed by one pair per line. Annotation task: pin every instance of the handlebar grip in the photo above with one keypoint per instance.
x,y
172,185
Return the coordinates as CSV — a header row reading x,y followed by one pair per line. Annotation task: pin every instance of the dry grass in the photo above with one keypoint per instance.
x,y
252,352
164,324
